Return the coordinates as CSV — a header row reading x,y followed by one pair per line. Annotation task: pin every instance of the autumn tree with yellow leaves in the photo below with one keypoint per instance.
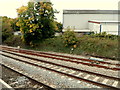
x,y
36,21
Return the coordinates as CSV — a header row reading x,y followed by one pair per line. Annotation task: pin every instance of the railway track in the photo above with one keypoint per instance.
x,y
46,87
102,64
65,70
5,85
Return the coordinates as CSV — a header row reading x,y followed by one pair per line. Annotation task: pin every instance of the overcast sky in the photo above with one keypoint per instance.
x,y
8,7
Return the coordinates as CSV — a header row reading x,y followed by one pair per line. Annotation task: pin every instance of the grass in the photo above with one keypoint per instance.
x,y
86,45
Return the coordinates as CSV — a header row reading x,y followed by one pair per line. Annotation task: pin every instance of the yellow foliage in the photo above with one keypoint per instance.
x,y
22,9
48,7
56,28
21,29
31,30
41,3
41,10
17,24
74,46
44,5
30,25
41,26
35,26
31,18
22,37
73,41
26,20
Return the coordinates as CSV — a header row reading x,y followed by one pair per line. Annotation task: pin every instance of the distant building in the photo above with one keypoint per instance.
x,y
91,21
17,33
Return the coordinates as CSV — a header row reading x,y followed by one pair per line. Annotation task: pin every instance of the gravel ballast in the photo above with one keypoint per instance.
x,y
17,80
103,71
52,79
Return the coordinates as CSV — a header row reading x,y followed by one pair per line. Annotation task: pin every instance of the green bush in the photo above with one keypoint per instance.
x,y
69,38
104,35
13,41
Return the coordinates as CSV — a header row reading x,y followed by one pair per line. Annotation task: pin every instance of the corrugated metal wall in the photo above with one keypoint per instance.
x,y
80,21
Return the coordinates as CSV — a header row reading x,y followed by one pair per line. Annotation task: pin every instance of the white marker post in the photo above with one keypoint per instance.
x,y
18,48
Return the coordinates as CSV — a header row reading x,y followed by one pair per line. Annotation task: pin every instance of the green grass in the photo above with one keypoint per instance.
x,y
86,45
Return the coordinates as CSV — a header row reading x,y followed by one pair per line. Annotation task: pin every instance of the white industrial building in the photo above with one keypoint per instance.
x,y
91,21
17,33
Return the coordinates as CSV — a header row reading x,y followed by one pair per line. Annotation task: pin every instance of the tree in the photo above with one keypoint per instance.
x,y
36,21
7,31
14,26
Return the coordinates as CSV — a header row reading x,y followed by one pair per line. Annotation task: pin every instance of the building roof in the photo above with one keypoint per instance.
x,y
90,11
99,21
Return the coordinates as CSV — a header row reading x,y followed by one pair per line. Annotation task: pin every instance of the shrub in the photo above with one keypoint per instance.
x,y
69,38
14,41
104,35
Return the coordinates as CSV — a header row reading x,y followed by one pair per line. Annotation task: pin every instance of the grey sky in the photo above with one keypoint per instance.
x,y
8,7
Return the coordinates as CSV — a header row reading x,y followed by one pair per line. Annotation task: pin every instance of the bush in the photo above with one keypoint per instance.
x,y
104,35
69,38
13,41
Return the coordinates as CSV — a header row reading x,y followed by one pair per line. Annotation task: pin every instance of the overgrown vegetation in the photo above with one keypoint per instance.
x,y
86,45
99,46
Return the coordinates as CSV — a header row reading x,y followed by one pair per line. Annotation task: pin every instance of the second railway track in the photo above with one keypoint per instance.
x,y
105,65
